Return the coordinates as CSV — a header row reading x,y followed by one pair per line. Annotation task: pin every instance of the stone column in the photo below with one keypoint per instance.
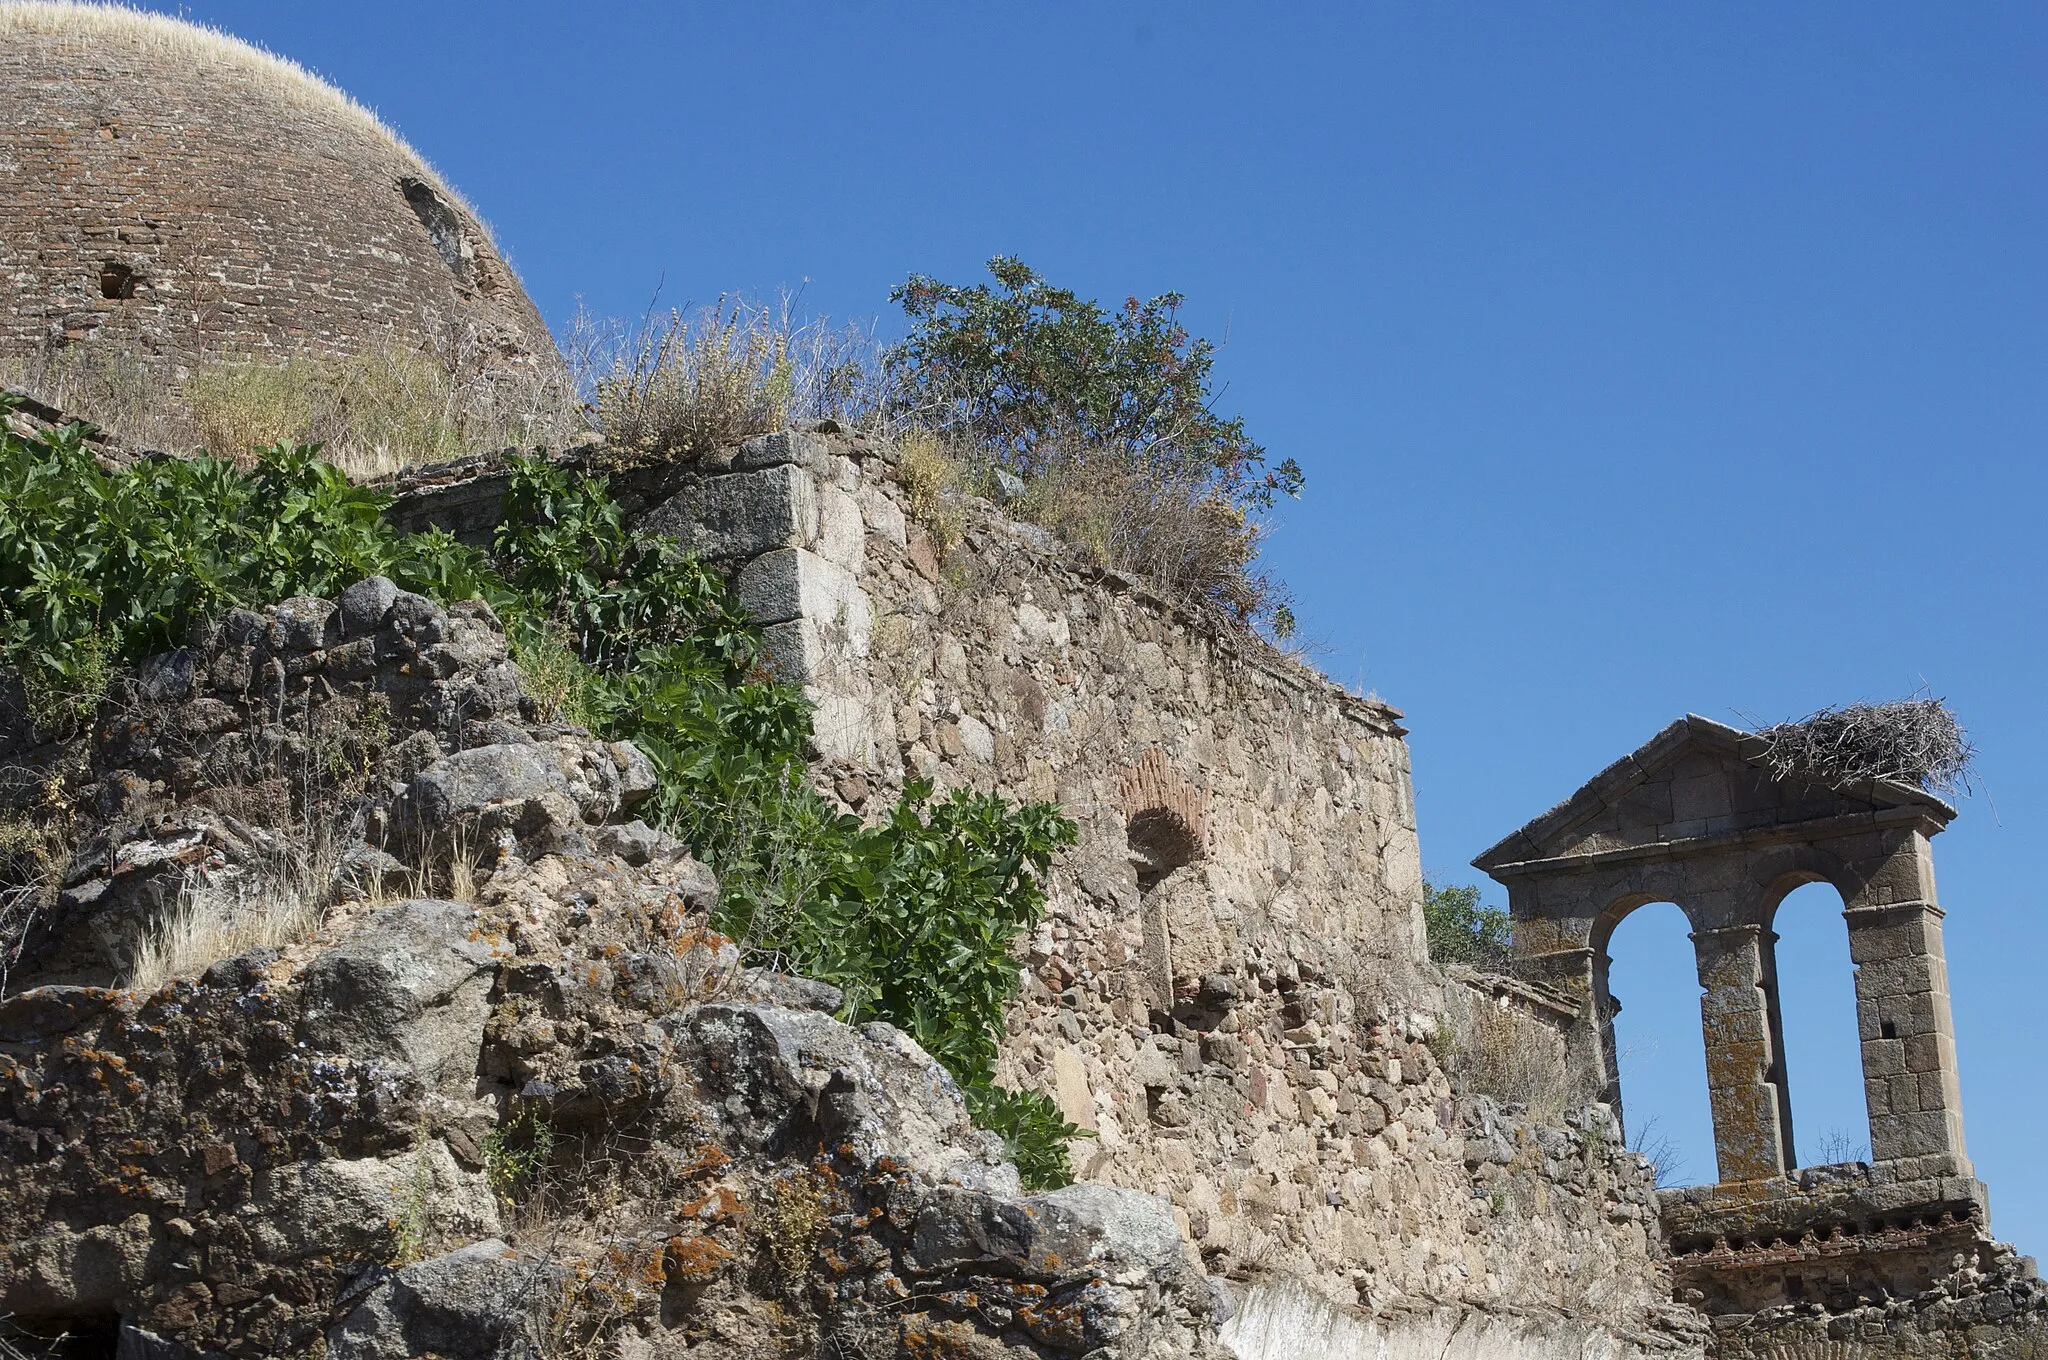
x,y
1749,1141
1775,1012
1607,1053
1909,1043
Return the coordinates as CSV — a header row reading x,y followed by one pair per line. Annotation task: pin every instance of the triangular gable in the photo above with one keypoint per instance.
x,y
1696,777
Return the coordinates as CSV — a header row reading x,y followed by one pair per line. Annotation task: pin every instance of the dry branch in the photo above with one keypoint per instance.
x,y
1913,741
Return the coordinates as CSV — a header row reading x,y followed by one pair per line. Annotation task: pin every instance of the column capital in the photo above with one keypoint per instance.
x,y
1871,911
1751,929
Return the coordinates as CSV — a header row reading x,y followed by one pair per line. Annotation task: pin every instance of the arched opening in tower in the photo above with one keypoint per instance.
x,y
1817,1002
1653,993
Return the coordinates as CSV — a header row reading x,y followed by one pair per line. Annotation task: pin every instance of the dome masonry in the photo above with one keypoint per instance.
x,y
183,197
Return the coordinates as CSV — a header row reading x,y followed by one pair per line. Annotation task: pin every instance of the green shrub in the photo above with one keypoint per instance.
x,y
1033,1131
1109,416
913,918
516,1152
1024,365
103,566
1460,930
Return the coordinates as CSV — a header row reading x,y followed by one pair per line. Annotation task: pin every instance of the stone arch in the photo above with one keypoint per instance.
x,y
1814,1027
1605,1006
1795,866
1624,906
1698,816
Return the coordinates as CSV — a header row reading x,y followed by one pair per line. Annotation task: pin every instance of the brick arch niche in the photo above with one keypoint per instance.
x,y
1166,818
1166,826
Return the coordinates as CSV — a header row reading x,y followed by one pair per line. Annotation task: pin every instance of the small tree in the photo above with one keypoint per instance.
x,y
1461,930
1109,417
1023,367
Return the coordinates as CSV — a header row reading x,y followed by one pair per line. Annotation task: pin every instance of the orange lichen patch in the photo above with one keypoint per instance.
x,y
638,1264
708,1158
1058,1326
694,1260
923,1339
717,1205
701,937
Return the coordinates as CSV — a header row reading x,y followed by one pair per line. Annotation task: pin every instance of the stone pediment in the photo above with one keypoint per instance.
x,y
1699,779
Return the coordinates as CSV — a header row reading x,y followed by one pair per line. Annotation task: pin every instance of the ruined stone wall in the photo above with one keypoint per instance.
x,y
177,195
327,1142
1231,993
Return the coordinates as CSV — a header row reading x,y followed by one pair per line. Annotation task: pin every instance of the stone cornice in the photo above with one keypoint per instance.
x,y
1690,847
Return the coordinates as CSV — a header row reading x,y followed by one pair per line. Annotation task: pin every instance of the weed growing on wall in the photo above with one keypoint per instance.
x,y
686,383
1105,414
102,566
912,918
381,409
515,1153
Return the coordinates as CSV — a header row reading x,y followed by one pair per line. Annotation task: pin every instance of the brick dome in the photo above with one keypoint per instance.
x,y
186,197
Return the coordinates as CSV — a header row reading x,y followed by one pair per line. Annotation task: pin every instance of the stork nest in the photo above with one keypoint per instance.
x,y
1913,741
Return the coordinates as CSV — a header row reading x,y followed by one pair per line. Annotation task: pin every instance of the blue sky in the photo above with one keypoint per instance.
x,y
1642,358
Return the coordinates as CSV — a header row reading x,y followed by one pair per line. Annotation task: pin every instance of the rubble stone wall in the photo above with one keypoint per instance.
x,y
335,1146
1232,994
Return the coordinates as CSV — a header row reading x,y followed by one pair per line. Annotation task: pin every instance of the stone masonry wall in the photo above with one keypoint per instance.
x,y
1232,993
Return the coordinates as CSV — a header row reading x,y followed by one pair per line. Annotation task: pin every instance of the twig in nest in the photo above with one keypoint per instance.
x,y
1916,740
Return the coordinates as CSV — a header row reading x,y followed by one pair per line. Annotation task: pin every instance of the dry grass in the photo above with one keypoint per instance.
x,y
384,409
112,387
686,383
1185,544
381,410
33,857
935,475
1191,546
1661,1151
217,918
1500,1052
207,52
